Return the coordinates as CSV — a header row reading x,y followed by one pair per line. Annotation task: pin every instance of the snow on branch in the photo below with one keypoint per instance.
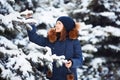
x,y
15,64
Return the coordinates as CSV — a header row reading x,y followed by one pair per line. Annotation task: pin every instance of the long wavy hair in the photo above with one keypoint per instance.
x,y
73,34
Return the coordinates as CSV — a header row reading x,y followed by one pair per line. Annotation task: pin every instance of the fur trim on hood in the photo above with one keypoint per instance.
x,y
73,34
52,35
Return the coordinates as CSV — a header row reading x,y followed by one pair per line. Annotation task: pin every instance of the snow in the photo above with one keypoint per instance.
x,y
26,12
17,59
88,33
114,47
85,3
46,16
42,32
7,20
6,5
6,43
89,47
83,7
118,22
114,31
2,29
98,31
110,15
12,0
97,61
86,55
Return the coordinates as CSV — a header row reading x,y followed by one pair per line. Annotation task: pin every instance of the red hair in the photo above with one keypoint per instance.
x,y
73,34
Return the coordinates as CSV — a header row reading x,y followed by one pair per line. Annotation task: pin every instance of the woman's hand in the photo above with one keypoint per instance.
x,y
68,64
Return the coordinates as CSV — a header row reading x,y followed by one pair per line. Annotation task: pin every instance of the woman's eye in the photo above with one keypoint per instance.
x,y
59,23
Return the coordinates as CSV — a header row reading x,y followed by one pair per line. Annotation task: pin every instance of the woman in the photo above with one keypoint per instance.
x,y
62,39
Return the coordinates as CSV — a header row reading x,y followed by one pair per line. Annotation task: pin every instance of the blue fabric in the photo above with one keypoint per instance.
x,y
68,22
70,48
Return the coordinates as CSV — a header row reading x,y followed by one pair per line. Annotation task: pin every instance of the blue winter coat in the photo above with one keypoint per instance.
x,y
71,49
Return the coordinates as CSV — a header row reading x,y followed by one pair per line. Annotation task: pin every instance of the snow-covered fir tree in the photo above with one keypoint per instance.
x,y
21,59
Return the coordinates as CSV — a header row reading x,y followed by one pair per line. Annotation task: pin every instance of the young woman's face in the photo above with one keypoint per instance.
x,y
59,26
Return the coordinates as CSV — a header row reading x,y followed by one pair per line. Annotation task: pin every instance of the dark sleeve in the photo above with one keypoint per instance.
x,y
34,37
78,58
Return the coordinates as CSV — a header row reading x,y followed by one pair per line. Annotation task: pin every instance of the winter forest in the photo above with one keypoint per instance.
x,y
99,36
